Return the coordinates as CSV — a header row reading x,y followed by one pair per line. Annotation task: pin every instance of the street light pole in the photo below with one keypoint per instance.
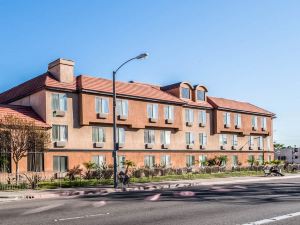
x,y
115,144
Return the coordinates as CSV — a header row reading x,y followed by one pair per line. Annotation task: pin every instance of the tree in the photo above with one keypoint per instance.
x,y
278,145
128,163
20,137
221,160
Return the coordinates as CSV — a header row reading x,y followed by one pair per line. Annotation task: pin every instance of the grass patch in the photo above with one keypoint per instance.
x,y
94,182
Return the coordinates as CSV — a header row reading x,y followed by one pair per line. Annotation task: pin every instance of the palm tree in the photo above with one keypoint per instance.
x,y
128,163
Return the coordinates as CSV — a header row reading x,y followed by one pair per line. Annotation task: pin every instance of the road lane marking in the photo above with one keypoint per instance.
x,y
42,209
80,217
274,219
153,197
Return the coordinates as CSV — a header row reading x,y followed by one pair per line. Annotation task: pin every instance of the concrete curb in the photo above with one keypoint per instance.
x,y
139,187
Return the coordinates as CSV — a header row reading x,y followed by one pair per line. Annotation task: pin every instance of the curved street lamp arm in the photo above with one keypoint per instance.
x,y
115,71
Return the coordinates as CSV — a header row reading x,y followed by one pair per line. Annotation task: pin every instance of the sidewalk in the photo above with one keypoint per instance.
x,y
104,190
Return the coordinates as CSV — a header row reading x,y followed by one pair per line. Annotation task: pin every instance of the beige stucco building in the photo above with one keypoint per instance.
x,y
177,125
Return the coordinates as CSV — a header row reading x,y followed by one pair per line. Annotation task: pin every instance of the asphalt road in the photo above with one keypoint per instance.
x,y
222,204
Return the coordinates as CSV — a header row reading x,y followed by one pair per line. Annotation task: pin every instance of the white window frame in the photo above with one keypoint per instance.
x,y
61,104
99,160
202,160
235,160
190,160
234,140
226,118
238,120
149,136
189,115
269,143
149,161
202,117
62,134
122,107
98,134
203,139
165,137
189,138
165,161
189,91
264,123
251,141
102,105
121,133
223,139
260,142
169,112
254,122
152,111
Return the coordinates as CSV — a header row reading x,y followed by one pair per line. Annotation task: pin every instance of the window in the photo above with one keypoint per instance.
x,y
260,142
149,136
102,105
60,163
200,95
251,141
254,122
202,117
149,161
203,139
121,134
59,133
234,140
190,160
185,93
169,112
223,139
202,160
5,161
251,160
189,138
122,107
121,162
264,123
226,119
35,161
268,143
165,161
152,110
99,160
235,161
269,158
98,134
189,115
59,102
260,159
238,120
165,137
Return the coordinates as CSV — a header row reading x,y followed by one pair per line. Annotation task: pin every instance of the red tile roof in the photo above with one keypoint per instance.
x,y
23,112
237,105
199,104
33,85
123,88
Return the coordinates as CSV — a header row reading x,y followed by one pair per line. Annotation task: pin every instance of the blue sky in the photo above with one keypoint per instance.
x,y
243,50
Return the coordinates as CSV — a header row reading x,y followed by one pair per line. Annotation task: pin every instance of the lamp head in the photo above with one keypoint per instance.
x,y
142,56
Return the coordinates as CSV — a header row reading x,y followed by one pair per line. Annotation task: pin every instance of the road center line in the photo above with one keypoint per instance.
x,y
80,217
274,219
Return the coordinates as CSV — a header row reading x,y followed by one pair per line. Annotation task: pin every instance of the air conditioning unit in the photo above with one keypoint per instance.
x,y
149,145
189,124
169,121
202,124
152,120
98,145
102,115
60,144
190,146
122,117
165,146
202,146
59,113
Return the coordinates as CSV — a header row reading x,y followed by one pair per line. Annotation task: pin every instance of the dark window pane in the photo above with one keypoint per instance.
x,y
185,92
201,95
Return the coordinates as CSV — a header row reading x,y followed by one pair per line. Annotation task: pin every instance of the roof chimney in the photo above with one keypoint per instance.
x,y
62,70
